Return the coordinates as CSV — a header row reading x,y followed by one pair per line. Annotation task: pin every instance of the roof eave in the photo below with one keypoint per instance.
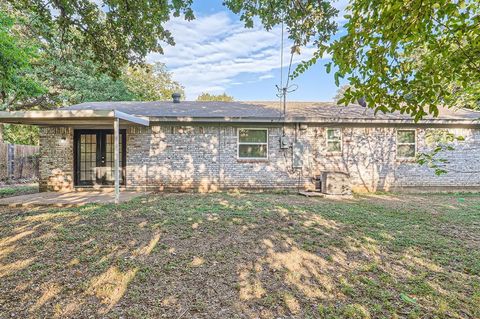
x,y
313,120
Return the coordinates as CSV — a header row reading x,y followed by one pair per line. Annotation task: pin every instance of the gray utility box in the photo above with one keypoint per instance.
x,y
297,159
336,183
284,142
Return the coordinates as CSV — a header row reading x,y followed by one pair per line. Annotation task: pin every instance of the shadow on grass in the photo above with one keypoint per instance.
x,y
245,255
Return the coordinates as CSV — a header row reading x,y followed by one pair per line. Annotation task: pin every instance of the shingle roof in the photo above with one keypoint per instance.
x,y
266,111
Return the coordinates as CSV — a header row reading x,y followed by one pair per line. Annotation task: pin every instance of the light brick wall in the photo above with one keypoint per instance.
x,y
204,158
56,159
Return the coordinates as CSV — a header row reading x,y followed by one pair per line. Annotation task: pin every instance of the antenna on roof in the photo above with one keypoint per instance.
x,y
284,90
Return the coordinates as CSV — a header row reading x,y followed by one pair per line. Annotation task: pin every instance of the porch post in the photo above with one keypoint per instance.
x,y
116,133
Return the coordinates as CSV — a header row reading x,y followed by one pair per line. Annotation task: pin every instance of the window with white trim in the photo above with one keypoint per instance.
x,y
334,140
406,144
252,143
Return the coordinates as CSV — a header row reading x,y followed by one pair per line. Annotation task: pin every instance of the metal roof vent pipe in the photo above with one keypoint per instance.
x,y
362,102
176,97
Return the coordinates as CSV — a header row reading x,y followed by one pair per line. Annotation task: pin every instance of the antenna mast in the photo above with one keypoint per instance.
x,y
283,90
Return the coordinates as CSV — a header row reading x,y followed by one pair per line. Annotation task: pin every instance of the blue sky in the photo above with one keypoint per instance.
x,y
214,53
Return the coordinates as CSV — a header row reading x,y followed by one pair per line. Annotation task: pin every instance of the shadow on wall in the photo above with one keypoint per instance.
x,y
369,157
204,159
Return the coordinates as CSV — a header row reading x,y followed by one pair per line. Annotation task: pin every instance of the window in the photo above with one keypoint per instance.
x,y
252,143
406,144
334,140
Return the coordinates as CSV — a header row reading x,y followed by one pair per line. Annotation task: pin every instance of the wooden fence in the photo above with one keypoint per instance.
x,y
18,162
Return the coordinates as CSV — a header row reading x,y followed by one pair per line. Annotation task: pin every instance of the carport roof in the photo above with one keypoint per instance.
x,y
71,117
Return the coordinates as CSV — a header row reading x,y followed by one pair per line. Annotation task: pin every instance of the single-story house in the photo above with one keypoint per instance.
x,y
208,146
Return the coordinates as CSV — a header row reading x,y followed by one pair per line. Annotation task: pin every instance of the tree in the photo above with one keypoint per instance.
x,y
109,32
15,64
71,82
410,56
21,134
15,58
66,77
407,56
207,97
151,82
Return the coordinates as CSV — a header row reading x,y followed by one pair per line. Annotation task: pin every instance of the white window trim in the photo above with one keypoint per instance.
x,y
250,143
414,144
327,140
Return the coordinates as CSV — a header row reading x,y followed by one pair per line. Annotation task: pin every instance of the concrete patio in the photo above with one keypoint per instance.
x,y
70,199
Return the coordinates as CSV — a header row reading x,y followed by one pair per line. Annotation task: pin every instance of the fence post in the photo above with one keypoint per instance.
x,y
11,161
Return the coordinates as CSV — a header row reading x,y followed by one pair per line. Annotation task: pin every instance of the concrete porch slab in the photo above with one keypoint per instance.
x,y
70,199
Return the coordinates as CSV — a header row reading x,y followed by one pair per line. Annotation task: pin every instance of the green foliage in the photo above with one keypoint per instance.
x,y
66,77
15,60
207,97
151,82
20,134
111,33
17,190
410,56
71,82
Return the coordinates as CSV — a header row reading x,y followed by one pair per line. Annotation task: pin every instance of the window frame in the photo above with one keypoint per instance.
x,y
399,144
251,143
327,140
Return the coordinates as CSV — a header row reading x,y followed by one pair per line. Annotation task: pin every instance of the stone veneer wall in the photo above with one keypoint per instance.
x,y
204,158
56,159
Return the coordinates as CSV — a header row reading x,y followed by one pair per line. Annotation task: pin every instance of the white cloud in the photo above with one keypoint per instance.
x,y
212,51
341,6
266,76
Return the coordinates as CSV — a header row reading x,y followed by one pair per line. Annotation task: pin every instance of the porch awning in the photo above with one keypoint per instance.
x,y
71,117
80,118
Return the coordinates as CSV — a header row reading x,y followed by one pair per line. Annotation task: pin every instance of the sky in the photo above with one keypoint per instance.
x,y
215,54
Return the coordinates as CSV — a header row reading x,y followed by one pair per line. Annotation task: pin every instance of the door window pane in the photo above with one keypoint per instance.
x,y
95,163
88,156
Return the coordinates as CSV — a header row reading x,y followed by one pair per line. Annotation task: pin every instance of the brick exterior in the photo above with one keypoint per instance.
x,y
204,158
56,159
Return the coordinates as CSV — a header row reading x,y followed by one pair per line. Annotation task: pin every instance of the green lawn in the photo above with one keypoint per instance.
x,y
8,191
245,256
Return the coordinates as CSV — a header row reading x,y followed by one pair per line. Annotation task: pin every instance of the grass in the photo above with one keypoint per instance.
x,y
9,191
245,256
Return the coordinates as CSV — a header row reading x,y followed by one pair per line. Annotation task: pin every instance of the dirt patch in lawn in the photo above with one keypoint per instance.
x,y
245,256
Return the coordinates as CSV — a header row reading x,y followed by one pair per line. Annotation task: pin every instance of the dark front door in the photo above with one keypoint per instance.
x,y
94,157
